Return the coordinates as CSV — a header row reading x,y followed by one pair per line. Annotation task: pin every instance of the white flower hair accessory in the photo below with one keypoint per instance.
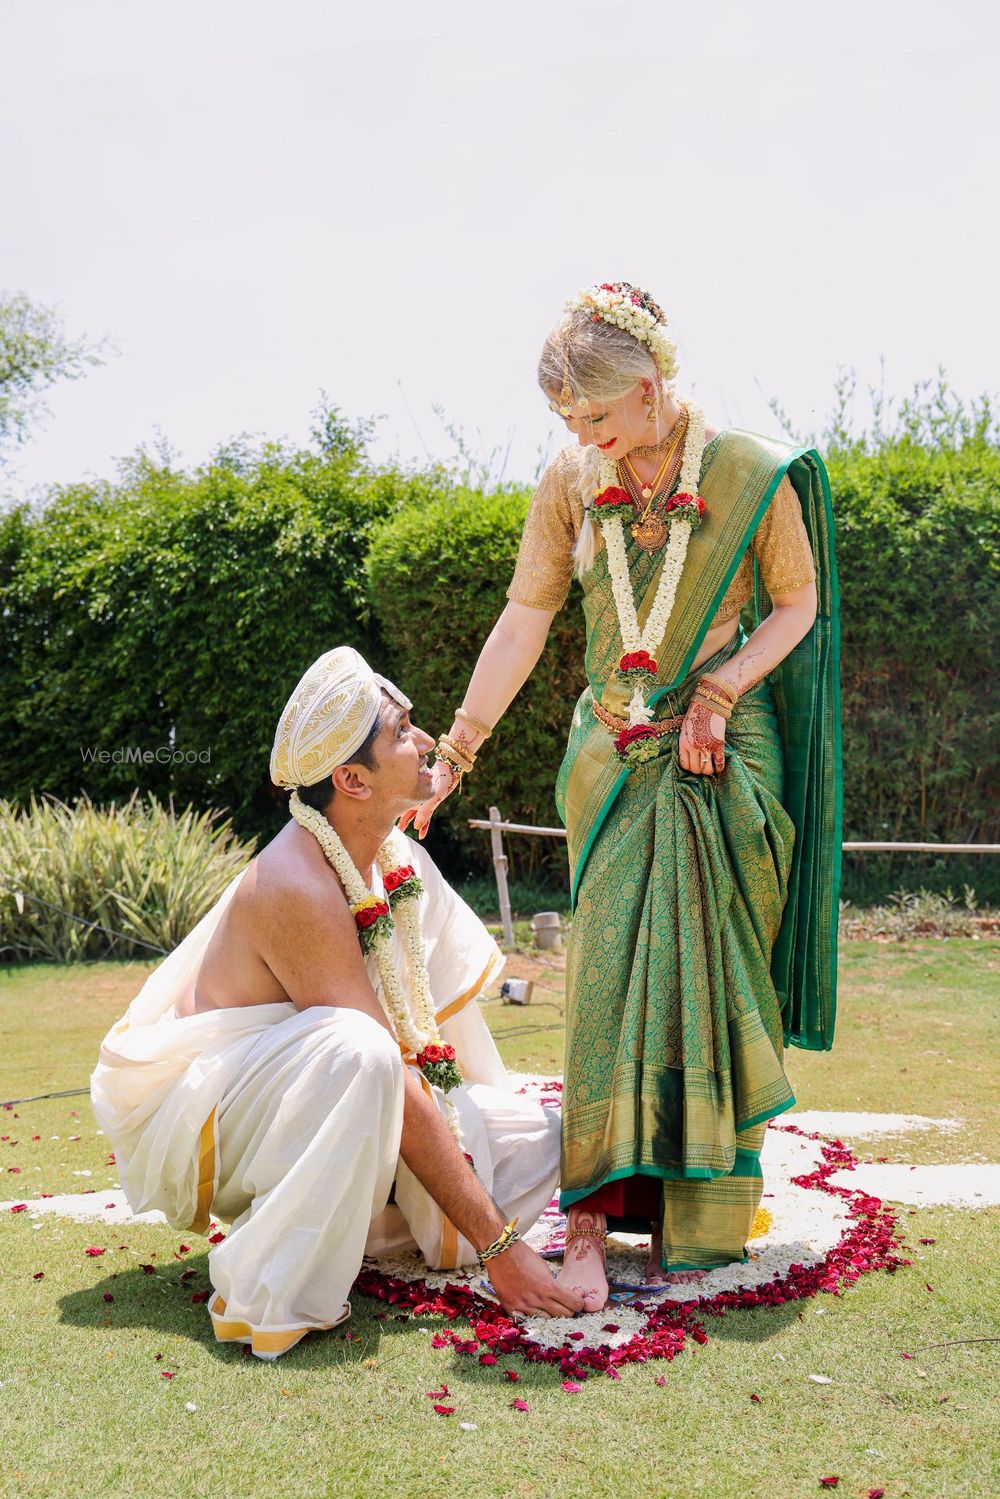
x,y
628,307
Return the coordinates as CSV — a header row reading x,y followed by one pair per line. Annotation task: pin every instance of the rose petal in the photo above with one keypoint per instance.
x,y
512,1375
93,1251
166,1374
571,1387
438,1394
830,1482
755,1399
876,1493
445,1410
519,1405
661,1380
38,1275
216,1238
108,1296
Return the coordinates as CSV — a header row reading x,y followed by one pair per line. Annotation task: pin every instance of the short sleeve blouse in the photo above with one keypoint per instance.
x,y
544,567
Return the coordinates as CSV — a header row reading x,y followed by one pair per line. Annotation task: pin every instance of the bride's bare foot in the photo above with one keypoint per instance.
x,y
655,1273
583,1267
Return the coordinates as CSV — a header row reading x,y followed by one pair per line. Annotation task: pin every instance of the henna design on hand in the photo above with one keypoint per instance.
x,y
703,738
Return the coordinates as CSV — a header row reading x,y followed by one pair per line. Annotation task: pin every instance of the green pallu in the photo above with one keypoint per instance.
x,y
704,933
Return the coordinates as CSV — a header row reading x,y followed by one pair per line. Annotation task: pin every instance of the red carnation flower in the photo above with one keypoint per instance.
x,y
683,498
637,661
632,735
612,496
368,915
432,1054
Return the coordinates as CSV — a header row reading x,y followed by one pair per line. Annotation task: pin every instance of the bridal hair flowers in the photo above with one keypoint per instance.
x,y
414,1022
628,307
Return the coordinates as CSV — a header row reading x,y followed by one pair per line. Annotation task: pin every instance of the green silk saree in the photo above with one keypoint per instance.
x,y
705,908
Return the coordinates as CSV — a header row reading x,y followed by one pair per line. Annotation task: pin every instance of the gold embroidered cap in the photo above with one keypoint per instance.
x,y
328,717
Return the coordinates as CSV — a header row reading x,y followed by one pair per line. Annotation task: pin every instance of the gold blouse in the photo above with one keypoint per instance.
x,y
544,568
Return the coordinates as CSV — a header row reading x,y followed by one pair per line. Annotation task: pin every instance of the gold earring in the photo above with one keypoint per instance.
x,y
648,399
566,394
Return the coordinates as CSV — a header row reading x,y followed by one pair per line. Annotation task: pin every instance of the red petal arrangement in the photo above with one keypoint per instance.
x,y
871,1243
612,497
439,1067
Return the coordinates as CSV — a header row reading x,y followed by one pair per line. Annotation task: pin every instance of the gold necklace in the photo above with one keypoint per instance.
x,y
650,529
657,447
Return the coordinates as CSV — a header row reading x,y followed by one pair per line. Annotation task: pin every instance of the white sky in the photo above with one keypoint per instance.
x,y
256,202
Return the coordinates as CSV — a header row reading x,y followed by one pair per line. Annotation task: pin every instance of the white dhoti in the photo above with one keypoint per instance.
x,y
286,1124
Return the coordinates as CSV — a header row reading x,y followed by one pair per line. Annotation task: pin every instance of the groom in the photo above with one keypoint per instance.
x,y
256,1077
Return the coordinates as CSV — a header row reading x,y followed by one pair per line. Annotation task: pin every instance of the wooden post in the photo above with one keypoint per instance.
x,y
500,868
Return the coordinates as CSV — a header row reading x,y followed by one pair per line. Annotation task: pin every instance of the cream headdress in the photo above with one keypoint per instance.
x,y
328,717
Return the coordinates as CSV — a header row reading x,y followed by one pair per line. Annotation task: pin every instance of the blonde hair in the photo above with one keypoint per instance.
x,y
597,360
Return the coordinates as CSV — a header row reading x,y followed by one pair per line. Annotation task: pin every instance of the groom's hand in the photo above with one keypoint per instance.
x,y
524,1284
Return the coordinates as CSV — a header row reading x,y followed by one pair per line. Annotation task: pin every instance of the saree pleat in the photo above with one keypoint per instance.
x,y
703,905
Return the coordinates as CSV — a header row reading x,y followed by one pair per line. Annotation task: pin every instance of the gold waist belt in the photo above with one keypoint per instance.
x,y
610,721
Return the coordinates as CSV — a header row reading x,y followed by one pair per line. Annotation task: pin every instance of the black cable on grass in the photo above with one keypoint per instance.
x,y
10,1103
96,925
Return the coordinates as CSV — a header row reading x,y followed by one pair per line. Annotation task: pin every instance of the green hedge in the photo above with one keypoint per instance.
x,y
178,610
438,578
172,614
918,552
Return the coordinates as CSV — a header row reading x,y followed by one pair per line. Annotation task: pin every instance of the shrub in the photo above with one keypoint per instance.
x,y
438,576
140,869
173,614
919,562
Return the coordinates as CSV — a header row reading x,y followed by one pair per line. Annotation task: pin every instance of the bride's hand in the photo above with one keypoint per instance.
x,y
702,749
444,780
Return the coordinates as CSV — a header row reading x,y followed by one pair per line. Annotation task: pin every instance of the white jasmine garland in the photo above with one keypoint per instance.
x,y
650,637
413,1021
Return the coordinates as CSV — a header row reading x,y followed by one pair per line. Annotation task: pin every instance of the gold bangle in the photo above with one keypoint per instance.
x,y
464,756
474,723
461,747
713,696
714,705
502,1242
720,686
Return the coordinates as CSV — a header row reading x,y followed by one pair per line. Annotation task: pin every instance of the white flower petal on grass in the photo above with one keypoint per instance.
x,y
821,1379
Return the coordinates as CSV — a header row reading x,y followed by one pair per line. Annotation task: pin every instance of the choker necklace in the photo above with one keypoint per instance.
x,y
652,449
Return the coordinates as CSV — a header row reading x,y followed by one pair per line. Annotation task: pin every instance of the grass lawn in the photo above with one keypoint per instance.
x,y
84,1407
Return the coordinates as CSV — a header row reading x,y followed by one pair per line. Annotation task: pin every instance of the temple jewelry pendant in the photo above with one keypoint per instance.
x,y
650,533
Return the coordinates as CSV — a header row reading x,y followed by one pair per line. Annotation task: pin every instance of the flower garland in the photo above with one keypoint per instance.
x,y
638,661
624,306
415,1028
